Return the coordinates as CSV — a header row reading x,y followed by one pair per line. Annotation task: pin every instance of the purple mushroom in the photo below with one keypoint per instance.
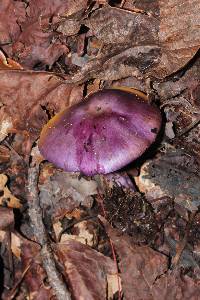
x,y
101,134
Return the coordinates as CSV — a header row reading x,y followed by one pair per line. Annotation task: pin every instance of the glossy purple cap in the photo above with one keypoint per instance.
x,y
102,134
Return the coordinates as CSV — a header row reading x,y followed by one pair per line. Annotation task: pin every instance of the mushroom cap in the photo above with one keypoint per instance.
x,y
101,134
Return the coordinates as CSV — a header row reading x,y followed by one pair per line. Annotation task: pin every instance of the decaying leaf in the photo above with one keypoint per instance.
x,y
175,285
140,266
85,234
10,13
146,41
175,175
178,38
25,97
86,270
6,197
61,191
33,30
35,276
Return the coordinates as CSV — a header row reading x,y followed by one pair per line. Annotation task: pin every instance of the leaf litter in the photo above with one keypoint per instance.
x,y
100,239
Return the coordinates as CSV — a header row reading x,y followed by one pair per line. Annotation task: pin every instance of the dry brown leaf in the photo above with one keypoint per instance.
x,y
28,271
16,245
65,237
86,270
6,197
24,97
114,285
179,35
10,13
34,38
6,123
8,63
140,266
15,242
180,100
84,235
156,41
57,227
70,237
2,235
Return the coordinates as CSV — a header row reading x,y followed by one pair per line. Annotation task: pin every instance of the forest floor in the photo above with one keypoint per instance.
x,y
68,236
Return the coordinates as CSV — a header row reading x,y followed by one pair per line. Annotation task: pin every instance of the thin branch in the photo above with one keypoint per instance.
x,y
35,215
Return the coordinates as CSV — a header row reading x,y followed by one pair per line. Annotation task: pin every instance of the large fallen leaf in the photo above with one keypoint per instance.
x,y
145,273
156,40
25,96
86,270
179,35
140,266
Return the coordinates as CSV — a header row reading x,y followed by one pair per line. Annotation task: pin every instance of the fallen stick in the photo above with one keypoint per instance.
x,y
40,234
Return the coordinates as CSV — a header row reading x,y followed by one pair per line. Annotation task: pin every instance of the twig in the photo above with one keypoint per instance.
x,y
41,237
